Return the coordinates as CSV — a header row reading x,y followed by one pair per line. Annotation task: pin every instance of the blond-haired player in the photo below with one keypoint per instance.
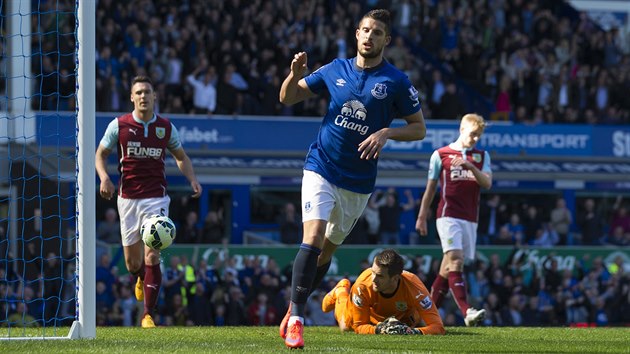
x,y
462,170
380,292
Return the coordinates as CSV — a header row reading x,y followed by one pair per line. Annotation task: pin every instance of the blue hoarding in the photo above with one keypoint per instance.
x,y
282,135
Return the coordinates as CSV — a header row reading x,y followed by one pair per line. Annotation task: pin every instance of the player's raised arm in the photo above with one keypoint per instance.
x,y
294,88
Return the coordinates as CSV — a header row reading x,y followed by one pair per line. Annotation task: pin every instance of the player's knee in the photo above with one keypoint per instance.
x,y
456,264
152,258
133,265
315,240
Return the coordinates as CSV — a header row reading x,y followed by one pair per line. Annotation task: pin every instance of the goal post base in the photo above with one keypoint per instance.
x,y
75,330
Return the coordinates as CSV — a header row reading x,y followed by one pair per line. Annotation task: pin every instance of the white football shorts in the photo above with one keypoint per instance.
x,y
321,200
134,211
457,234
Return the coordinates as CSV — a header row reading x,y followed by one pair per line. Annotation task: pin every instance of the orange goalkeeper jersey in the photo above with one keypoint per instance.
x,y
411,304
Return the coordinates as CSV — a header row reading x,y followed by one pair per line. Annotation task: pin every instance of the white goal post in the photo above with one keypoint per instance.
x,y
19,127
85,323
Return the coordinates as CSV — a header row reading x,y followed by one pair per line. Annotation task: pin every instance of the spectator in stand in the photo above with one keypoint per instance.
x,y
561,220
205,94
591,223
503,103
290,225
108,230
173,280
389,215
504,237
620,217
512,316
105,272
261,313
189,232
515,229
236,312
617,237
228,96
532,222
492,215
437,88
545,237
213,230
450,106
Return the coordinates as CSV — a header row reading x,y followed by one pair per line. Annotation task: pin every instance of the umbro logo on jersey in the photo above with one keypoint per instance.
x,y
134,131
340,82
458,284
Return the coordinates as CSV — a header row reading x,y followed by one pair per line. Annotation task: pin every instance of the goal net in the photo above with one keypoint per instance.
x,y
47,176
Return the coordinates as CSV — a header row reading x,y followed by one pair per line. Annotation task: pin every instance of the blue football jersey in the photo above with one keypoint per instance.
x,y
362,101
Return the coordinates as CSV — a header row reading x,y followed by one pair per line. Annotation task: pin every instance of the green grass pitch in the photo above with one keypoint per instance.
x,y
256,340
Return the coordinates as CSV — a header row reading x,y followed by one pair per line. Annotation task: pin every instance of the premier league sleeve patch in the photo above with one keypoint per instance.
x,y
413,95
358,297
426,303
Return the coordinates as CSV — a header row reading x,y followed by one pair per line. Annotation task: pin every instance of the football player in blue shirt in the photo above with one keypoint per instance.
x,y
366,93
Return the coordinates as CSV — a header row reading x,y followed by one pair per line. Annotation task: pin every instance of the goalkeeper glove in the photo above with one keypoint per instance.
x,y
393,326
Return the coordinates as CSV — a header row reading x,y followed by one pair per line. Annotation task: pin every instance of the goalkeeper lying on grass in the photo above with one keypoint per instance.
x,y
385,299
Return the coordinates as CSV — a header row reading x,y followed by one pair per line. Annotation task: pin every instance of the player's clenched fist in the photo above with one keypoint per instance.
x,y
298,65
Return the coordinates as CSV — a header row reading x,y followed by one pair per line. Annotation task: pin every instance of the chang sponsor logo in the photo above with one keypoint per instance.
x,y
351,112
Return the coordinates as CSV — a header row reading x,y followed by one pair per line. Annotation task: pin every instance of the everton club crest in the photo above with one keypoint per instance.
x,y
379,91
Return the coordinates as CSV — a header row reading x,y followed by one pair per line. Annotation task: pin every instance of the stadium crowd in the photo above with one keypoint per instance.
x,y
519,291
513,220
533,61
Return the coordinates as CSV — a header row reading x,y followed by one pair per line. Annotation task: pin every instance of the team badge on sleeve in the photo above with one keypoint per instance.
x,y
413,95
357,298
426,303
160,132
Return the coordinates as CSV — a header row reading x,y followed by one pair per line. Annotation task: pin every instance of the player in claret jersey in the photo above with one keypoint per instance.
x,y
462,171
142,139
382,291
366,93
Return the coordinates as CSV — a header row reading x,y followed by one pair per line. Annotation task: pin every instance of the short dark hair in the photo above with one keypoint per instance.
x,y
141,78
381,15
389,258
